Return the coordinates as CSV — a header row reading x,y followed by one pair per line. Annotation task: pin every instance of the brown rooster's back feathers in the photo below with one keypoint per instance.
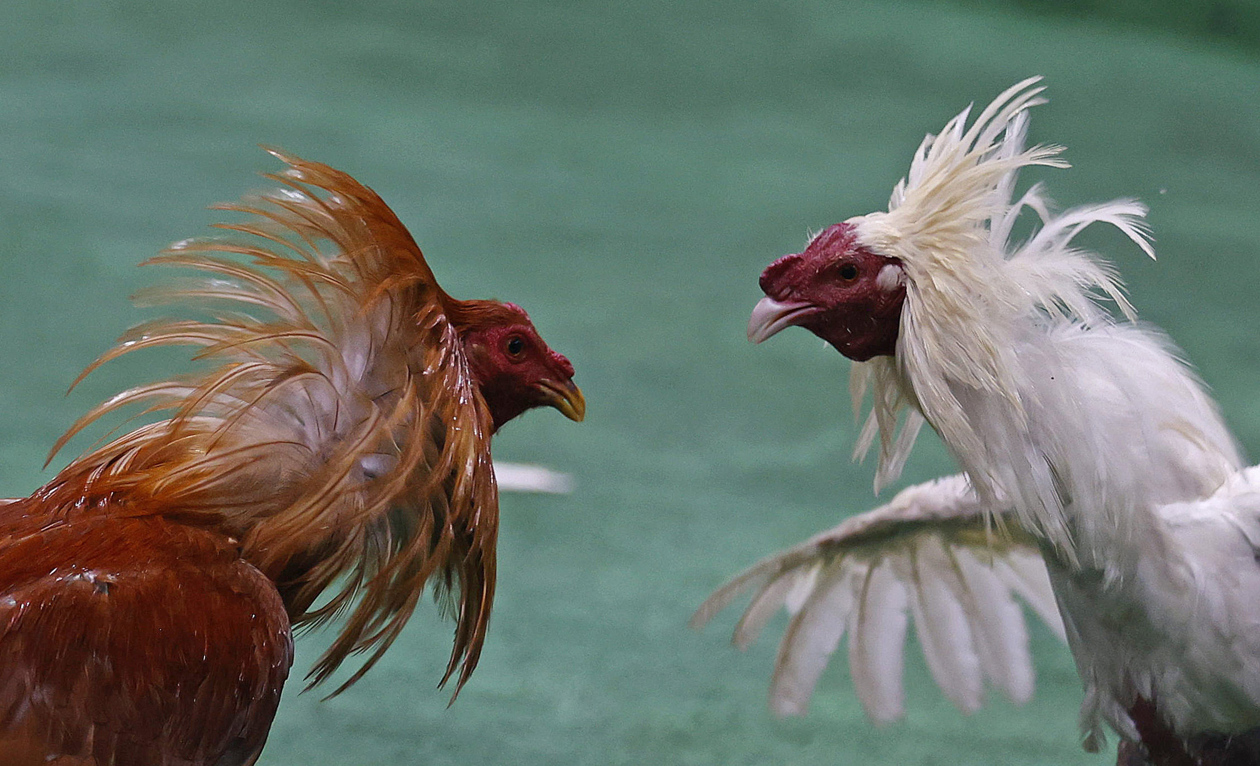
x,y
337,433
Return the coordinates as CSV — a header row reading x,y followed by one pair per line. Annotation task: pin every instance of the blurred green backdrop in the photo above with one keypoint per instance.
x,y
624,171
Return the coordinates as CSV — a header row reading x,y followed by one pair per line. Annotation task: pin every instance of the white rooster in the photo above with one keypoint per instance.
x,y
1090,452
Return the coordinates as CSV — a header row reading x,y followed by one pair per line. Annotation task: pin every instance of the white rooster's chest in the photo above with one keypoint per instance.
x,y
1180,629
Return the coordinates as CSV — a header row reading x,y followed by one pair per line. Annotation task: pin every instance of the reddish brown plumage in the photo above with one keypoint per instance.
x,y
341,434
133,641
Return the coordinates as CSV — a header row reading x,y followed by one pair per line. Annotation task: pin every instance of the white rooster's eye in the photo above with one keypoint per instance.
x,y
848,272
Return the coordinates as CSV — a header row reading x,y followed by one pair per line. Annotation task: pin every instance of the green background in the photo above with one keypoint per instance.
x,y
624,171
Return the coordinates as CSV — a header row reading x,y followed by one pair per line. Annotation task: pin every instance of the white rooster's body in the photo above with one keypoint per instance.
x,y
1132,486
1180,627
1083,431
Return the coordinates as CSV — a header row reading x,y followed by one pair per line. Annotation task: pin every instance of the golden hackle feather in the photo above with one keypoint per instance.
x,y
336,431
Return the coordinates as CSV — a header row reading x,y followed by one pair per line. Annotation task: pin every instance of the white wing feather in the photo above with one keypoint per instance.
x,y
929,554
942,621
876,646
823,616
997,625
523,477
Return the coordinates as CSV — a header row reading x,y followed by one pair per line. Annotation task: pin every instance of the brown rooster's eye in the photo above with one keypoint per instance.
x,y
515,346
848,272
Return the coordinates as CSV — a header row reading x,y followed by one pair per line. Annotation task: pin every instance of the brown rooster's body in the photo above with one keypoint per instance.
x,y
135,641
340,436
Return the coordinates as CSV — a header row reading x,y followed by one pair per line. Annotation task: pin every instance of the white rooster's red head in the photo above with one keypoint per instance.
x,y
838,290
932,253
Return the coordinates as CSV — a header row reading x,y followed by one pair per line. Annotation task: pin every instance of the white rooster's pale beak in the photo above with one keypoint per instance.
x,y
769,317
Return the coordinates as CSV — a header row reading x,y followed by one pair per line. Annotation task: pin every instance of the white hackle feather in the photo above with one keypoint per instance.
x,y
987,322
949,223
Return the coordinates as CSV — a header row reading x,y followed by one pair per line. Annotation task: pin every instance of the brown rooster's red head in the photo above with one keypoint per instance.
x,y
836,289
514,368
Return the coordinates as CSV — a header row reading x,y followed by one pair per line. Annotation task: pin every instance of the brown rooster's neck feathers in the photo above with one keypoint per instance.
x,y
338,432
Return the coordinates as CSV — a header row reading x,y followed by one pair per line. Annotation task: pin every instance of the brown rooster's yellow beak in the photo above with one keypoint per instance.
x,y
565,397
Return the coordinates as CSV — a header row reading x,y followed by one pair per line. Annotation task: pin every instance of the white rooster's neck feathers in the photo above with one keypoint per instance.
x,y
949,222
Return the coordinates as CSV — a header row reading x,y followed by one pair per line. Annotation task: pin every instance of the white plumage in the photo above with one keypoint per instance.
x,y
1081,434
928,553
525,477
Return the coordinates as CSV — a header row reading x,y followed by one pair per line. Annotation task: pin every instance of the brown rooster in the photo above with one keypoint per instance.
x,y
341,437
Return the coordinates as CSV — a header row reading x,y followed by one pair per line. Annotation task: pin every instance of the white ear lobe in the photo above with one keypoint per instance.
x,y
890,277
